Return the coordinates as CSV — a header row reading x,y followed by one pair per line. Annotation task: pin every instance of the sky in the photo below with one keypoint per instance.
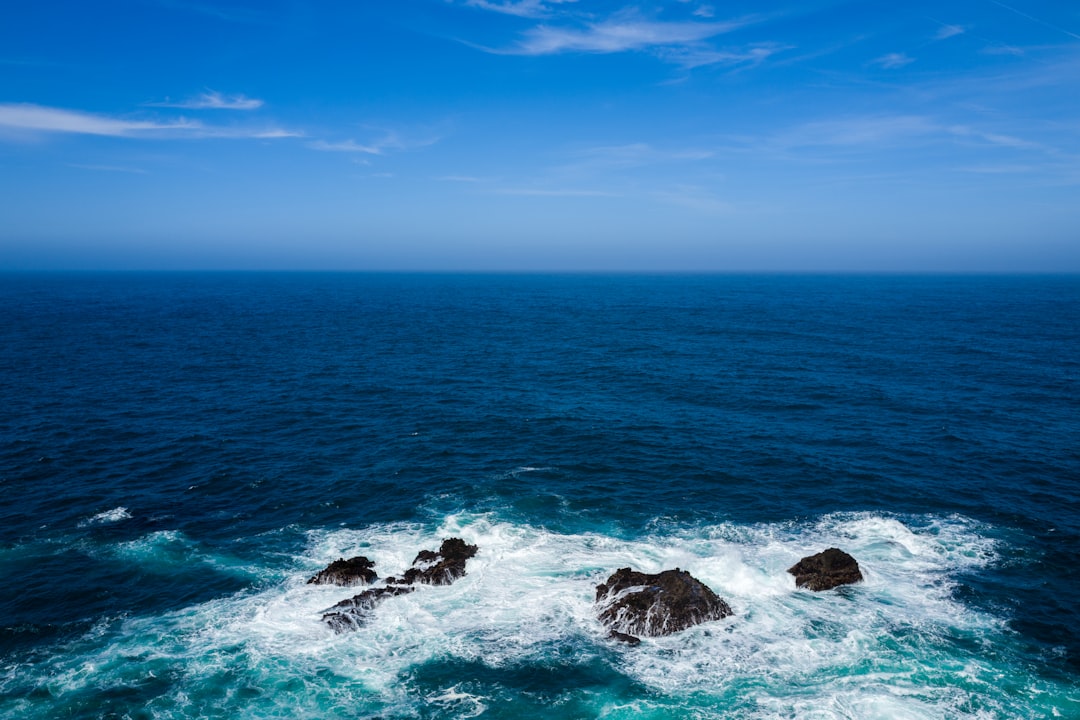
x,y
540,135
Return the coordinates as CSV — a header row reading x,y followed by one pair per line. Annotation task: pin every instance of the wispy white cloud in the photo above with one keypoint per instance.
x,y
998,139
703,10
617,35
692,56
1003,50
684,43
56,120
893,61
267,134
877,130
947,31
346,146
1034,19
212,100
389,140
31,118
520,8
851,137
1011,141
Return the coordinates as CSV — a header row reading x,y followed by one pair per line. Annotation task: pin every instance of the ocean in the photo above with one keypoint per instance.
x,y
180,452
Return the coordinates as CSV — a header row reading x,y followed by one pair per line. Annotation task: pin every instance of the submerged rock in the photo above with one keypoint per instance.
x,y
826,570
439,568
631,603
354,571
354,612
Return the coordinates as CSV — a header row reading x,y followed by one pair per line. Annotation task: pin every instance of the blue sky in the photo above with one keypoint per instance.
x,y
540,135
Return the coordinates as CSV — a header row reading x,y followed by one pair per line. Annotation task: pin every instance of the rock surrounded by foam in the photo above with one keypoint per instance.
x,y
354,612
826,570
631,603
439,568
354,571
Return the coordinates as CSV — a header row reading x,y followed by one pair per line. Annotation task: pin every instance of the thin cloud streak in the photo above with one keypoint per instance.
x,y
1036,20
999,139
885,132
391,140
270,134
614,36
893,61
212,100
1003,50
522,8
42,119
56,120
856,131
346,146
949,31
693,57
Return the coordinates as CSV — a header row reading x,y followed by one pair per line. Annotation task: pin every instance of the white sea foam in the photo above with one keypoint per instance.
x,y
109,516
465,704
898,645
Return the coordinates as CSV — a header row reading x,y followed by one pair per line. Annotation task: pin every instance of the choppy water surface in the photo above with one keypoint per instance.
x,y
179,453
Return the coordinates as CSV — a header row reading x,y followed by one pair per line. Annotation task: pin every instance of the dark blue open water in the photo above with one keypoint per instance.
x,y
180,452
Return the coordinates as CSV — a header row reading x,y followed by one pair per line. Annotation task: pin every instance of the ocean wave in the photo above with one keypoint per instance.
x,y
109,516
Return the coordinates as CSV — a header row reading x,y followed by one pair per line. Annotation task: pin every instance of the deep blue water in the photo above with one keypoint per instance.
x,y
180,452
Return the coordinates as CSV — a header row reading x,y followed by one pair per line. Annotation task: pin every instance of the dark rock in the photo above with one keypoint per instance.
x,y
430,568
826,570
623,637
442,567
633,603
354,571
354,612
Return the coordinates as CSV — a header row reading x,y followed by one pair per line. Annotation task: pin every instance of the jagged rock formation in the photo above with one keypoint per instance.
x,y
354,571
826,570
440,567
631,603
354,612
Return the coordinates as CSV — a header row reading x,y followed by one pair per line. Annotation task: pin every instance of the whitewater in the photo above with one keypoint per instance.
x,y
519,633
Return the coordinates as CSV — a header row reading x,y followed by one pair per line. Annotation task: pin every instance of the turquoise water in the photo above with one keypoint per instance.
x,y
183,452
